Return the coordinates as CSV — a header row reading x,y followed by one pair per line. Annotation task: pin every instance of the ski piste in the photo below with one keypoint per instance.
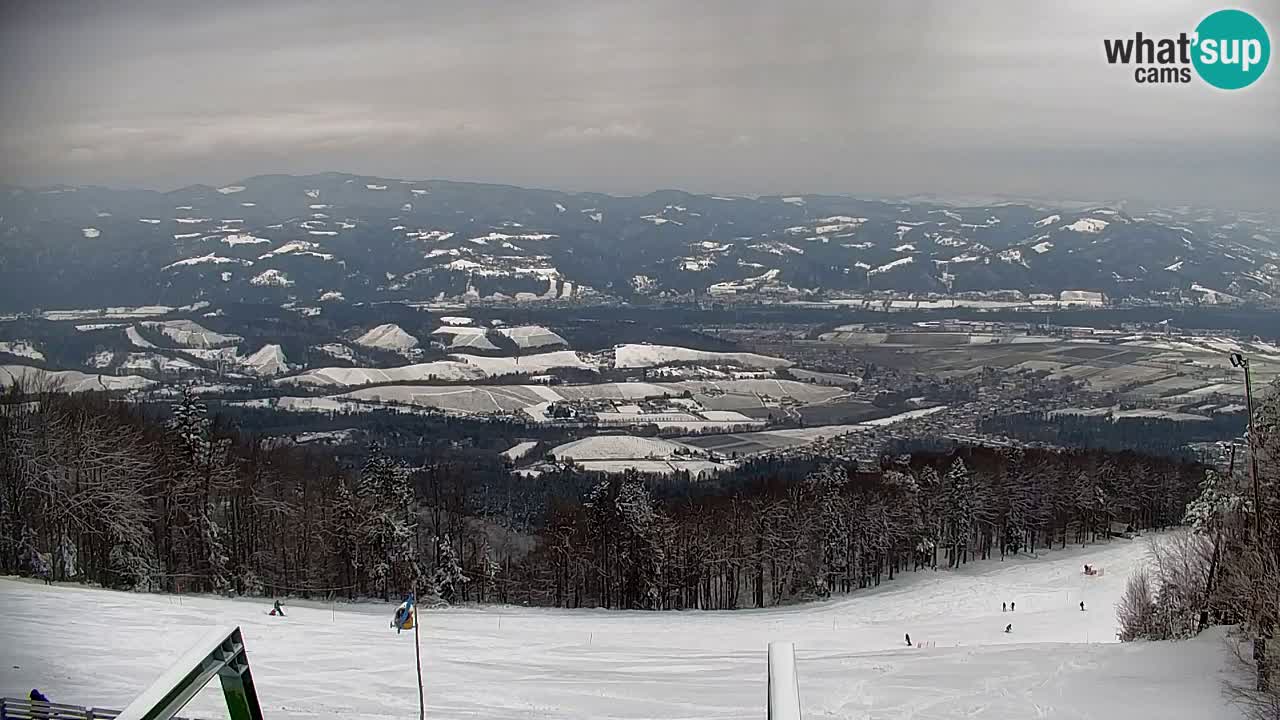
x,y
508,662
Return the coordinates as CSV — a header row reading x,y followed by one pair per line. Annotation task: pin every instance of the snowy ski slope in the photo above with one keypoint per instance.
x,y
91,646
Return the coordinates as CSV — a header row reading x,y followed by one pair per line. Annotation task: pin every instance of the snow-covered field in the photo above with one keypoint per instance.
x,y
531,336
91,646
189,334
641,356
21,348
71,380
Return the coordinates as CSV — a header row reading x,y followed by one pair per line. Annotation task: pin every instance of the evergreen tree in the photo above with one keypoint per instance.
x,y
958,509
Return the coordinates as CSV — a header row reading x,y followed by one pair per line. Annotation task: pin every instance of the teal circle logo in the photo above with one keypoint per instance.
x,y
1232,49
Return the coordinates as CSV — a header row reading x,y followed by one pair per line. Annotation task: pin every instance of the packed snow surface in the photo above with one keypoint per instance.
x,y
388,337
640,356
507,663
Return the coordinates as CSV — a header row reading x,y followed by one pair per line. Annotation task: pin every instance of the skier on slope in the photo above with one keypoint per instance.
x,y
1081,606
1004,607
277,609
908,639
1012,606
1008,628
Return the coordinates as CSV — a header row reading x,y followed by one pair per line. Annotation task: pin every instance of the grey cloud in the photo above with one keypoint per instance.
x,y
722,95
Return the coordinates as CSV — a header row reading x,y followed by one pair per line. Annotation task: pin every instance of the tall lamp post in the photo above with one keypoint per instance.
x,y
1240,361
1259,642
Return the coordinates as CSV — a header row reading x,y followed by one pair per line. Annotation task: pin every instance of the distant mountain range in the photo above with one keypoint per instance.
x,y
345,238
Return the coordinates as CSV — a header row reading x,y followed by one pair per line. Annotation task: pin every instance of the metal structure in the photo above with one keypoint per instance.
x,y
1240,361
23,709
221,654
784,684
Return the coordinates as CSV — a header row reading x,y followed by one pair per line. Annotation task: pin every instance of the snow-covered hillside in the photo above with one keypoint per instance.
x,y
508,663
640,356
388,337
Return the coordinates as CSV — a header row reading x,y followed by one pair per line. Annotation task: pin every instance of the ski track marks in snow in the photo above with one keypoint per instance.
x,y
91,646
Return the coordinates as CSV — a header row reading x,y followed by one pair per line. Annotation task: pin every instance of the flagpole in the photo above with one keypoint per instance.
x,y
417,652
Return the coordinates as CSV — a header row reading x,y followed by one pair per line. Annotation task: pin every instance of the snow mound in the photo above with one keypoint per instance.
x,y
268,361
640,356
91,232
388,337
21,348
623,447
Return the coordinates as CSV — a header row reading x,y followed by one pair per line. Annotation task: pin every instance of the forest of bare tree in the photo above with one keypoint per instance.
x,y
133,496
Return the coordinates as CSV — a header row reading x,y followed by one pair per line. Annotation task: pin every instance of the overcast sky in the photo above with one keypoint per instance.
x,y
872,98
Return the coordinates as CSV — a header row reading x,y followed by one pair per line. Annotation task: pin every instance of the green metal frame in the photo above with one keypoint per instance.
x,y
220,653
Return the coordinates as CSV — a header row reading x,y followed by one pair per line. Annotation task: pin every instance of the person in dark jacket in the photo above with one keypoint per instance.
x,y
37,696
908,639
1008,628
277,610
